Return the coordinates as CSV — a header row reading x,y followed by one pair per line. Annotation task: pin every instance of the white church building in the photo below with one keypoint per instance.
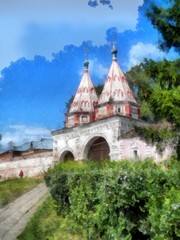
x,y
98,128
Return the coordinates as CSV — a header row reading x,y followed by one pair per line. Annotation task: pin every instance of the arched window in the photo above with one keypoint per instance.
x,y
82,103
92,90
86,104
116,78
129,94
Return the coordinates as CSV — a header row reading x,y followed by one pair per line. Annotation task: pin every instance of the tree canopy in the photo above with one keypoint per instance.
x,y
167,21
95,3
157,88
157,84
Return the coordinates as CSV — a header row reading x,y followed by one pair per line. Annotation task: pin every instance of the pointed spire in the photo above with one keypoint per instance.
x,y
86,97
86,62
116,86
114,50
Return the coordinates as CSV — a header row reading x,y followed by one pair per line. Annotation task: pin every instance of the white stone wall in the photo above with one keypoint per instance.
x,y
78,140
128,148
31,167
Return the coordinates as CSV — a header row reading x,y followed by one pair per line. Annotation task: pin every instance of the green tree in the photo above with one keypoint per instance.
x,y
157,88
68,103
141,85
167,21
99,89
95,3
164,77
164,82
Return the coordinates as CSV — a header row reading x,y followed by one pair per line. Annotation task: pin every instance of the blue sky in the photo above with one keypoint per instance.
x,y
42,53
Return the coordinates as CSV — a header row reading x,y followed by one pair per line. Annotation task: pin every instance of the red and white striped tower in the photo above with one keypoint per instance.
x,y
116,97
82,108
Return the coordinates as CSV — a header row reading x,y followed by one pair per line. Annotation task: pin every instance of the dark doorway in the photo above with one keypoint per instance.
x,y
68,157
99,150
135,153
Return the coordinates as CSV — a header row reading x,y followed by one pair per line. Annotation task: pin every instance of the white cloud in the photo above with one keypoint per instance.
x,y
96,69
19,134
73,22
140,51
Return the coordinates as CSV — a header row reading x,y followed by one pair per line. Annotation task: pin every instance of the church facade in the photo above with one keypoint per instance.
x,y
98,128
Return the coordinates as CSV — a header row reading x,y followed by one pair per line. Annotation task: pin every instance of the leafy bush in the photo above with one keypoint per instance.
x,y
119,200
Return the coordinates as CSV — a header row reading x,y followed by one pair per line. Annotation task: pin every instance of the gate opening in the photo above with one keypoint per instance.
x,y
68,157
99,150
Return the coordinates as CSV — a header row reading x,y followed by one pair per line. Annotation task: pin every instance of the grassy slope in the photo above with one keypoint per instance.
x,y
45,224
11,189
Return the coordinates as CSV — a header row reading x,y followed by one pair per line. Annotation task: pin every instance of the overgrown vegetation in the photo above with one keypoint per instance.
x,y
11,189
157,84
157,87
119,200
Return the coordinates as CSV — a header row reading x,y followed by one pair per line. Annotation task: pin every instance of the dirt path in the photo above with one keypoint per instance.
x,y
14,216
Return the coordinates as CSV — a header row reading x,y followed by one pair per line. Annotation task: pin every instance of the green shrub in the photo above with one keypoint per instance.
x,y
119,200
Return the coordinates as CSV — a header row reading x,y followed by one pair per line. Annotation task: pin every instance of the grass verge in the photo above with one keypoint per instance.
x,y
11,189
47,225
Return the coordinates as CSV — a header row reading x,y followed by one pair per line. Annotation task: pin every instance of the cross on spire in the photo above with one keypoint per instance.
x,y
86,62
114,50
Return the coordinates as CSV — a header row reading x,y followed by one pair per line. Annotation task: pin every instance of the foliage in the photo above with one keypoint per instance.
x,y
141,85
119,200
164,211
68,104
159,135
99,89
165,97
160,95
167,21
95,3
166,104
47,225
11,189
157,87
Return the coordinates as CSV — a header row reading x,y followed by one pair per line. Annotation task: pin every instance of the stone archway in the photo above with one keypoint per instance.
x,y
97,149
67,156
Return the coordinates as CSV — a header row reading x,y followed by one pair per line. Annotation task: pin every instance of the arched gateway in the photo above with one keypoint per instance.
x,y
68,157
95,141
99,150
95,148
101,127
